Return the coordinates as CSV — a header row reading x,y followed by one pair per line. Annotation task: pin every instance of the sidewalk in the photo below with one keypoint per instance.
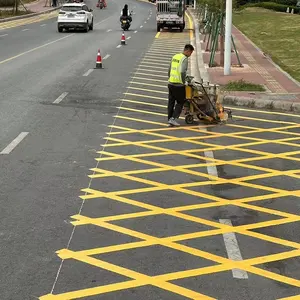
x,y
257,69
36,8
39,6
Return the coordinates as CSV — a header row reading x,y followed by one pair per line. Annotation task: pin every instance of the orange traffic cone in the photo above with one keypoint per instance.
x,y
123,40
99,61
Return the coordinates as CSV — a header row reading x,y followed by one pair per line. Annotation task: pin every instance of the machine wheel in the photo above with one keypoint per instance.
x,y
158,28
92,25
189,119
60,29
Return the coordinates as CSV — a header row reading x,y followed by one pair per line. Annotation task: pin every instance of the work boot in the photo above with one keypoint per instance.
x,y
173,122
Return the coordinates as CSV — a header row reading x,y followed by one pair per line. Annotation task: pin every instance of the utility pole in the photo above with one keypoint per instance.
x,y
228,27
195,1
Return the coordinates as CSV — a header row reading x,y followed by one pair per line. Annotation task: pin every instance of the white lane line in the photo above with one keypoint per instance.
x,y
145,22
211,170
118,46
141,26
233,250
43,25
136,31
128,38
109,30
14,143
106,56
61,97
26,29
2,35
88,72
34,49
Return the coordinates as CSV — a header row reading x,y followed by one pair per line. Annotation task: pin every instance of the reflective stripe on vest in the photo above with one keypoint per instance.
x,y
175,72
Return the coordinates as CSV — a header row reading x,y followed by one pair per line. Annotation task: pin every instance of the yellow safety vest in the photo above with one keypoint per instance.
x,y
175,72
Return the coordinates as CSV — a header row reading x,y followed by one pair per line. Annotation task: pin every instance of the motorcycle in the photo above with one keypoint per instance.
x,y
101,4
126,22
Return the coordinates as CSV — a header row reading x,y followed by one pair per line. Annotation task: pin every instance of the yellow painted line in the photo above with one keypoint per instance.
x,y
143,103
158,51
297,297
154,67
146,96
152,75
147,90
157,35
164,55
168,48
152,70
148,84
264,120
146,144
154,62
141,111
265,112
36,48
244,264
142,121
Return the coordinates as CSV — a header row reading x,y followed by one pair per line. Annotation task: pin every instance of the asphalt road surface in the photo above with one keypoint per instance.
x,y
101,200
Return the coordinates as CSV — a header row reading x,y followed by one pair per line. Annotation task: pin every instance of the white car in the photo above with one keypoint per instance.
x,y
75,16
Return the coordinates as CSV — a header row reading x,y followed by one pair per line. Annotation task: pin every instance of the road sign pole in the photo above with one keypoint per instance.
x,y
228,26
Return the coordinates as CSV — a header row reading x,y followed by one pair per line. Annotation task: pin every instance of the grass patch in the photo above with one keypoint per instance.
x,y
242,85
11,13
276,34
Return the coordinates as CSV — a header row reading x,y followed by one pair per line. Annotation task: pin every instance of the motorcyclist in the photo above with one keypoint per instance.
x,y
125,14
103,1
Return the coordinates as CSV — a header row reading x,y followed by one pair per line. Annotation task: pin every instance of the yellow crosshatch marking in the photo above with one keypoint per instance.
x,y
140,127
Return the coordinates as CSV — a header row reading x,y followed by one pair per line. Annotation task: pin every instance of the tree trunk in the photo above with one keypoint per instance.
x,y
16,6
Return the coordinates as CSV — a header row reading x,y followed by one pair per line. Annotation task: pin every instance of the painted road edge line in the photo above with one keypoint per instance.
x,y
10,147
233,250
61,97
88,72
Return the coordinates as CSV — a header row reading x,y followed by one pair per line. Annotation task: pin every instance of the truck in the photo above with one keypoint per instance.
x,y
170,13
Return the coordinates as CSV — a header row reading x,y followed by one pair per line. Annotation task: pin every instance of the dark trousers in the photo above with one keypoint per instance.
x,y
177,99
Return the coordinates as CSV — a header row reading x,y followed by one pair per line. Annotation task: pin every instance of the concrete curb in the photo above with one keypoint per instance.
x,y
30,15
203,71
276,105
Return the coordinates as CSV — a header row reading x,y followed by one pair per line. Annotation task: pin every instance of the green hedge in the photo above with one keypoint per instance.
x,y
283,2
273,6
8,3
